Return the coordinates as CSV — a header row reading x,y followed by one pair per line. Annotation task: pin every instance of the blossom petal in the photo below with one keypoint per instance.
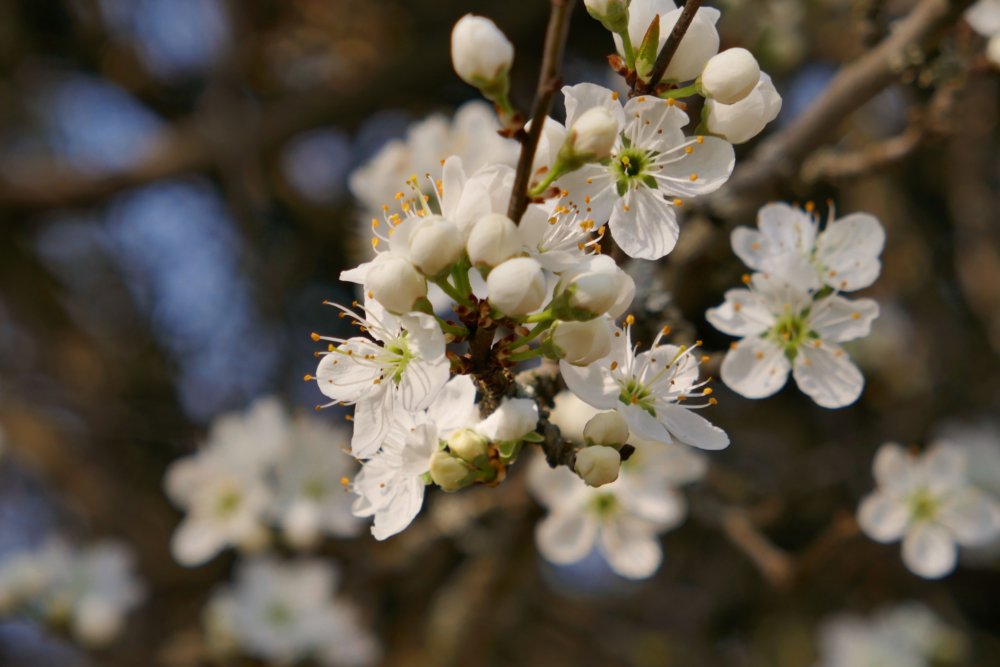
x,y
455,406
566,537
373,420
407,499
705,169
341,377
787,229
196,541
556,488
837,319
826,374
585,96
644,225
741,314
944,467
643,428
849,249
973,518
894,469
882,518
593,384
630,547
690,428
929,551
755,368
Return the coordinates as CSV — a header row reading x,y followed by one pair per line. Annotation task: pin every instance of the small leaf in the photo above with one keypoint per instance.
x,y
649,49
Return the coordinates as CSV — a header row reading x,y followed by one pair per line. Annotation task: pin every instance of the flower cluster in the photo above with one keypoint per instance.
x,y
88,592
285,613
261,469
790,317
475,272
907,635
931,503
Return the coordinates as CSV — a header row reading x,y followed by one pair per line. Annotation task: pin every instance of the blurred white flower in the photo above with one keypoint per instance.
x,y
928,502
622,518
222,488
286,612
845,254
741,121
907,635
311,498
88,590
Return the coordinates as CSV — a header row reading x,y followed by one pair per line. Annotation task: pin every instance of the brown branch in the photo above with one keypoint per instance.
x,y
835,165
548,82
912,39
669,48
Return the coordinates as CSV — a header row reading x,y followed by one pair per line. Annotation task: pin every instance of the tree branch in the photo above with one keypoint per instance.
x,y
669,48
913,37
548,82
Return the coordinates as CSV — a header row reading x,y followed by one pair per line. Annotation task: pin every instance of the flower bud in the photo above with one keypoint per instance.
x,y
494,239
598,466
606,428
592,136
301,524
700,42
514,419
730,76
517,286
467,444
395,283
596,293
448,472
740,122
613,14
993,50
581,343
480,52
435,245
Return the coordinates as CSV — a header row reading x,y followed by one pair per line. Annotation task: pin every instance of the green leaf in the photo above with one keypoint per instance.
x,y
648,50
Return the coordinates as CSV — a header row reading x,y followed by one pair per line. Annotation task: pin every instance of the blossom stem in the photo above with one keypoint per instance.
x,y
678,93
549,179
548,83
455,295
544,316
535,333
460,274
629,49
669,48
456,330
526,355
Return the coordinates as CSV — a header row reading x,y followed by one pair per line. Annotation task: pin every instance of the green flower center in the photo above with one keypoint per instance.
x,y
228,502
791,331
923,506
604,505
634,392
401,350
278,614
630,167
314,489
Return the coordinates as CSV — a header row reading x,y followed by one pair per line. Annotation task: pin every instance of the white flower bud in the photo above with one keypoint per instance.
x,y
435,244
448,472
517,286
467,444
741,122
593,135
598,466
701,42
494,239
514,419
993,50
582,343
731,75
606,428
596,293
96,623
394,282
480,52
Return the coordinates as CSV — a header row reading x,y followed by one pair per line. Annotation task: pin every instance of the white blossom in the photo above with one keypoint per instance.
x,y
221,488
783,330
623,518
907,635
494,239
517,287
742,121
598,465
582,343
606,428
592,137
393,281
390,486
310,498
928,502
595,286
435,245
844,255
652,169
285,612
651,390
403,367
511,421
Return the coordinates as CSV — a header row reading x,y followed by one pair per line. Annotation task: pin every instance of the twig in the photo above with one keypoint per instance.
x,y
781,156
548,83
774,563
834,165
669,48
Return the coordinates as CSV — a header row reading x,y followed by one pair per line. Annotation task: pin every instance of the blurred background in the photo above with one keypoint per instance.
x,y
176,202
